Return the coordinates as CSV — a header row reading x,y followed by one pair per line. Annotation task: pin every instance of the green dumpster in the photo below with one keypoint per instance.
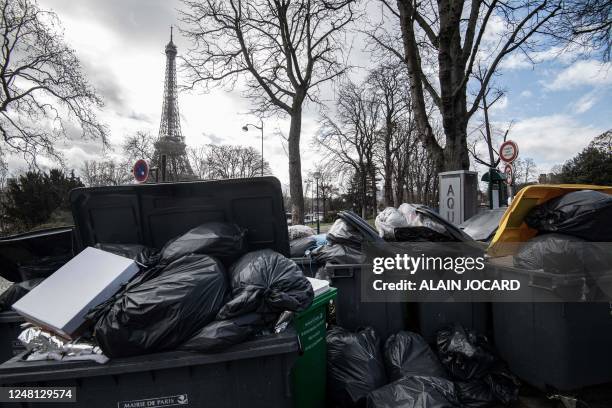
x,y
309,372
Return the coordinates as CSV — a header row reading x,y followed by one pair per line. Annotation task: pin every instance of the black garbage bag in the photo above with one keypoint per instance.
x,y
16,291
299,246
564,254
220,334
265,281
415,392
343,233
407,354
143,255
354,366
338,254
465,354
475,394
43,267
164,311
504,385
586,214
222,240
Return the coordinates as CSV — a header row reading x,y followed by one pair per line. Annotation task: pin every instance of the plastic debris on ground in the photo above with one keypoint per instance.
x,y
300,231
163,312
222,240
415,392
586,214
354,366
265,281
408,354
16,291
42,345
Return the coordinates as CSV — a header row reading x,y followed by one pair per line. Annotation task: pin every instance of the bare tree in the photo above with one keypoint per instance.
x,y
588,23
284,49
350,139
106,172
388,86
441,43
198,160
227,161
525,171
139,145
41,82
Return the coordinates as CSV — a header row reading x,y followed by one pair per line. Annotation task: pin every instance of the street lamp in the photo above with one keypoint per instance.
x,y
245,128
317,176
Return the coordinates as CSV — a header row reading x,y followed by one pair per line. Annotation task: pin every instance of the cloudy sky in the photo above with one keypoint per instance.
x,y
557,106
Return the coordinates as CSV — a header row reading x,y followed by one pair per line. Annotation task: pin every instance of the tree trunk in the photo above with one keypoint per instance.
x,y
388,192
364,190
452,100
295,167
413,65
373,188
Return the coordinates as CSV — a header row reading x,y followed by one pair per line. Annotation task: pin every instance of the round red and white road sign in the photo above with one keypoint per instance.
x,y
141,171
508,151
509,172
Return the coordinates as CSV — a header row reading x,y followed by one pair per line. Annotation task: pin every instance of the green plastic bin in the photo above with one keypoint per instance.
x,y
309,372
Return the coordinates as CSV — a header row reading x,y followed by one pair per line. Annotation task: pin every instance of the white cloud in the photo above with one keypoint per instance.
x,y
582,73
553,139
585,103
526,94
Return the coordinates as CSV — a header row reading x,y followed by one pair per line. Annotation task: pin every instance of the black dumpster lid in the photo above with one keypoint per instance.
x,y
151,214
483,225
17,370
18,249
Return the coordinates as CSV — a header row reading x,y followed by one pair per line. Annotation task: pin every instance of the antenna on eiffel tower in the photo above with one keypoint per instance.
x,y
170,156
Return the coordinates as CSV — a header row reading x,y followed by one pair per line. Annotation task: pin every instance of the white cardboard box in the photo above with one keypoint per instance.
x,y
318,285
62,300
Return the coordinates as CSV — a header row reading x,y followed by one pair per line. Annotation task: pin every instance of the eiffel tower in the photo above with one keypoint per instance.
x,y
170,156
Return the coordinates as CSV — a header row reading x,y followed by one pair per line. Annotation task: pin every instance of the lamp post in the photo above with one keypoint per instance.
x,y
317,176
261,128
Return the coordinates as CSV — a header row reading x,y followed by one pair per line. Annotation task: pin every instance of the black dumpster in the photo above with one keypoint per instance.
x,y
253,374
563,345
353,313
10,327
256,373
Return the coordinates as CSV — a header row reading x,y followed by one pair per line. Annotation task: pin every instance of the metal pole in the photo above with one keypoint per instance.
x,y
262,158
318,223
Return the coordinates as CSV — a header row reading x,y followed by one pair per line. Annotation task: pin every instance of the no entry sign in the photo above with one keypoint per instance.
x,y
508,151
141,171
509,172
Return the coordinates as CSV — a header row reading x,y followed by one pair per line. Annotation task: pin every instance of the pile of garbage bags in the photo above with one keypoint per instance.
x,y
569,230
415,222
344,243
406,372
203,291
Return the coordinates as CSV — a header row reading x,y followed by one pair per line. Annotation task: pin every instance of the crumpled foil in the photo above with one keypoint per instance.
x,y
43,345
